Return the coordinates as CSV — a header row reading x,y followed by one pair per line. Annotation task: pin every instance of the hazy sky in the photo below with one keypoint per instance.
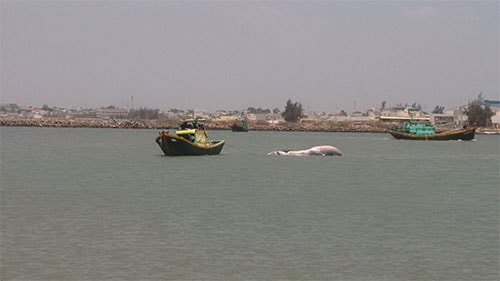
x,y
209,55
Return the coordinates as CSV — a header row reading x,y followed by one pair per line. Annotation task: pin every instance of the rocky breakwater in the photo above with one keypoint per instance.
x,y
319,126
76,123
330,126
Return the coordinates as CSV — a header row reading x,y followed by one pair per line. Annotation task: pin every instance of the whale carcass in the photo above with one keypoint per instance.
x,y
322,150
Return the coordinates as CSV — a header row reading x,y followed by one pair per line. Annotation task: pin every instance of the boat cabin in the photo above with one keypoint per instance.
x,y
193,130
191,124
419,128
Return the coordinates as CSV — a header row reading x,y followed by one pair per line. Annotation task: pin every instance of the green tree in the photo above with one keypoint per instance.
x,y
143,113
293,111
478,113
252,110
416,106
438,109
176,111
382,107
258,110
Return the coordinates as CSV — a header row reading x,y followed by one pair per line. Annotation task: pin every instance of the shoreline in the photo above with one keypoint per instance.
x,y
169,124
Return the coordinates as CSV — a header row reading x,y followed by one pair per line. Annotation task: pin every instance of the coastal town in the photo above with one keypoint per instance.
x,y
371,120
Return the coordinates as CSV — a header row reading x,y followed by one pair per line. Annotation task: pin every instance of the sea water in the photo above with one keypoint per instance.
x,y
106,204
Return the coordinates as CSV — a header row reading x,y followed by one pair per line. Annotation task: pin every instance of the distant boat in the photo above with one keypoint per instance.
x,y
423,131
190,139
239,126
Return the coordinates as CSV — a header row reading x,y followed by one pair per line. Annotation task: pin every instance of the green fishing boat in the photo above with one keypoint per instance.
x,y
239,126
413,130
190,139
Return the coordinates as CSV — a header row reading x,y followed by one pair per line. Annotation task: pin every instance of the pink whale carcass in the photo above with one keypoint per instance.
x,y
322,150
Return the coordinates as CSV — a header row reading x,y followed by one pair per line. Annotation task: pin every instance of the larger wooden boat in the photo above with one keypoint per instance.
x,y
190,139
422,131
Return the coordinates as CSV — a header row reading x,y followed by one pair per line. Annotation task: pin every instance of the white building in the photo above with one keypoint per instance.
x,y
105,112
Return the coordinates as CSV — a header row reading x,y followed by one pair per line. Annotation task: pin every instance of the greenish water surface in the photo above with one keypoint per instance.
x,y
105,204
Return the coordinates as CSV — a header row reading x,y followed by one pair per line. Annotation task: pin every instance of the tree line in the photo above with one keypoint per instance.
x,y
478,111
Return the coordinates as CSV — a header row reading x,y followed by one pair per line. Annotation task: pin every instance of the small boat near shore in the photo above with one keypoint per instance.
x,y
423,131
190,139
239,126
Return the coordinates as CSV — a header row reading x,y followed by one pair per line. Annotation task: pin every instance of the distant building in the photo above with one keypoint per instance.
x,y
495,107
442,119
267,117
106,112
401,114
225,118
493,103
